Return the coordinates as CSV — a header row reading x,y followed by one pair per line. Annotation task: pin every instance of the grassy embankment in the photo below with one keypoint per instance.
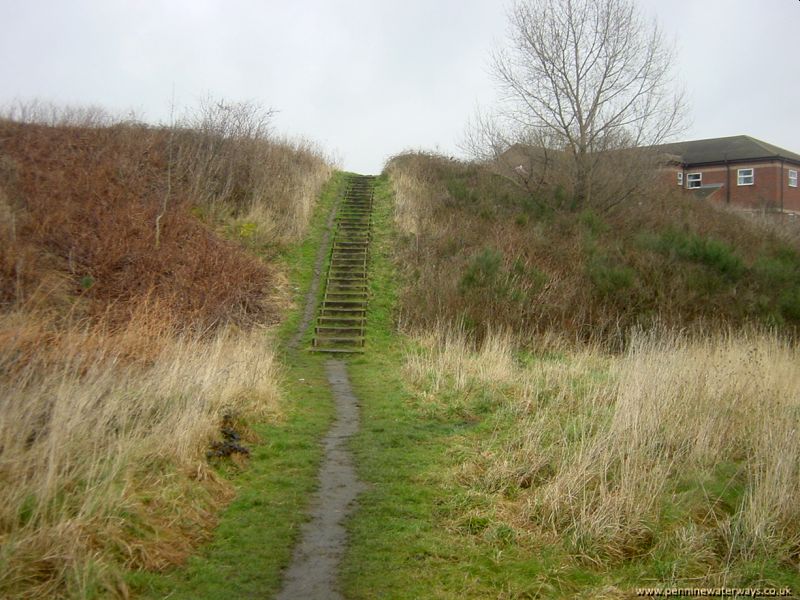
x,y
257,531
474,247
503,470
139,268
498,469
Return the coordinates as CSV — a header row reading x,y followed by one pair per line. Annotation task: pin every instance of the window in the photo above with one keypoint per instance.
x,y
680,177
745,176
792,178
694,180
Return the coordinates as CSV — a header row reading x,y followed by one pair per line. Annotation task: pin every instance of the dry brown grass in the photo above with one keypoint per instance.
x,y
102,446
235,166
85,203
128,328
682,449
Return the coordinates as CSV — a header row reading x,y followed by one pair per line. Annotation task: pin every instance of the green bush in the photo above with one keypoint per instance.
x,y
608,277
487,279
483,271
790,304
715,254
459,190
780,269
593,223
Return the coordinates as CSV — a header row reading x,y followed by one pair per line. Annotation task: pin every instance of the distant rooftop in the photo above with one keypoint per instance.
x,y
737,148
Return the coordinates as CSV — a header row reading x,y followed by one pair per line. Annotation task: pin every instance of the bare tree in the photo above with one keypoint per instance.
x,y
590,77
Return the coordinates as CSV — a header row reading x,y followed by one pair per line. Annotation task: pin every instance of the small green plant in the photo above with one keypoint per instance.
x,y
780,269
247,229
459,190
609,277
790,304
593,223
710,252
483,271
86,282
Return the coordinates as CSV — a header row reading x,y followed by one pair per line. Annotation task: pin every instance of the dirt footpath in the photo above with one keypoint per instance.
x,y
313,572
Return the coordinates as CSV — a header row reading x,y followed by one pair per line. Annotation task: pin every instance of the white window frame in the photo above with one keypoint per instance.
x,y
680,178
742,179
694,180
792,177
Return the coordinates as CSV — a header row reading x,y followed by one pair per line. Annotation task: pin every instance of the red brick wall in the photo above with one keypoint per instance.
x,y
791,195
771,178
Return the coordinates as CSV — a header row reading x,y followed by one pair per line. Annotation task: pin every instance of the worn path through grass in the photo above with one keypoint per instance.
x,y
418,532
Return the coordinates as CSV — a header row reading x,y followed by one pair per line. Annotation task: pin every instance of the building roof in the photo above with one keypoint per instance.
x,y
733,148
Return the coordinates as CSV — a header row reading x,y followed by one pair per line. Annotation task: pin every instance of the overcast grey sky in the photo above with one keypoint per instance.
x,y
368,79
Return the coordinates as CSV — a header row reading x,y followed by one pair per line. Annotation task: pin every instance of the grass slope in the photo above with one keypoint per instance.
x,y
475,248
258,530
424,530
406,455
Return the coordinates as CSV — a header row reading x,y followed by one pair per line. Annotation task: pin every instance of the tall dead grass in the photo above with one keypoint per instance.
x,y
130,328
686,449
102,447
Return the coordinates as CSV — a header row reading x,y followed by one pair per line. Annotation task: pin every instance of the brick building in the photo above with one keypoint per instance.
x,y
739,170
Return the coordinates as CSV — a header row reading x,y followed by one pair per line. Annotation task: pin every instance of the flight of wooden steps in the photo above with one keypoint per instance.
x,y
342,318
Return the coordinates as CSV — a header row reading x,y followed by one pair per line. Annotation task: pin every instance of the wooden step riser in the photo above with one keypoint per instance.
x,y
332,313
342,323
346,254
360,289
340,304
333,295
345,272
349,257
348,289
342,351
324,332
350,246
337,267
362,249
332,342
363,224
347,280
346,322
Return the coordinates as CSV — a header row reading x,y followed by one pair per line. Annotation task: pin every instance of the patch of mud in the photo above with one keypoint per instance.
x,y
313,572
